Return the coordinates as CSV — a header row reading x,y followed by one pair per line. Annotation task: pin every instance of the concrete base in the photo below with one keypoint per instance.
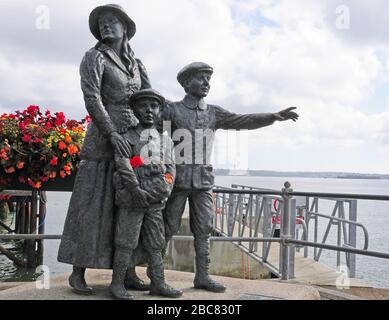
x,y
238,289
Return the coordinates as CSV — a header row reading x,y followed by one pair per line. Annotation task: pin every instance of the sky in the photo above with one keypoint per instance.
x,y
329,58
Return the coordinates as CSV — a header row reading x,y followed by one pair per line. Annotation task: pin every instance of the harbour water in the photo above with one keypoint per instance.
x,y
373,214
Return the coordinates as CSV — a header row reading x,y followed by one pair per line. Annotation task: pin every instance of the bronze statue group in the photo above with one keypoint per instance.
x,y
133,181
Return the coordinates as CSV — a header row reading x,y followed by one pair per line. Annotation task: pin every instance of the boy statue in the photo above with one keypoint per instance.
x,y
194,178
143,184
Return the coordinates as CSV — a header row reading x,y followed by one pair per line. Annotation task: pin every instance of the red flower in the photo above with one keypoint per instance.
x,y
27,138
62,145
23,124
35,185
48,125
10,170
20,165
60,119
33,110
4,154
54,161
52,175
136,162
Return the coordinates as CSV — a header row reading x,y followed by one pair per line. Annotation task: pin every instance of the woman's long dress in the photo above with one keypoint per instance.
x,y
107,86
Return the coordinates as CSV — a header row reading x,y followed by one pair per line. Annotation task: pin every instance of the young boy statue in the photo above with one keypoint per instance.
x,y
143,184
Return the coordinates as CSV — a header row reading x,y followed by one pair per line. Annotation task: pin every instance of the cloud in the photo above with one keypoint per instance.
x,y
51,85
267,55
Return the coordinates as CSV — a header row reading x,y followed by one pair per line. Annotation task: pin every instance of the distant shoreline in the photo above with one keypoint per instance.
x,y
324,175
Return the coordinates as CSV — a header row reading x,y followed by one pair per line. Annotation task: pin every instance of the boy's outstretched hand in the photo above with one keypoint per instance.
x,y
287,114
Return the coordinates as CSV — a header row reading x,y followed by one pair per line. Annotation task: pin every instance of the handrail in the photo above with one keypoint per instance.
x,y
306,194
365,232
287,239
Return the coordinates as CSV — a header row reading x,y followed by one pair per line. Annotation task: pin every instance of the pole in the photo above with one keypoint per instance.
x,y
41,228
287,232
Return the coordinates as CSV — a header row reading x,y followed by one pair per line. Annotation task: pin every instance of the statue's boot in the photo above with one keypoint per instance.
x,y
78,283
132,281
120,263
202,279
158,285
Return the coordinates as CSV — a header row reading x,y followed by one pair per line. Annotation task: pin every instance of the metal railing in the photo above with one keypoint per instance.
x,y
234,211
307,210
251,209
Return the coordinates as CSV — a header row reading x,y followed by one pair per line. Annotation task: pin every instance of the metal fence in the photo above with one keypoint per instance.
x,y
254,212
245,214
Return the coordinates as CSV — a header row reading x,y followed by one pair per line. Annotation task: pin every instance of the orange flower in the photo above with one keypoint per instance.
x,y
52,175
169,178
35,185
10,170
68,139
64,155
72,149
62,145
62,174
20,165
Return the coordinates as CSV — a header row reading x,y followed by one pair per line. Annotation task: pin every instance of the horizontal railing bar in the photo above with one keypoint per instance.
x,y
375,254
237,191
176,238
307,194
341,195
221,239
30,237
230,239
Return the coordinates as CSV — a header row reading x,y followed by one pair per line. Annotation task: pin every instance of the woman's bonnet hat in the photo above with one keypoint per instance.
x,y
119,11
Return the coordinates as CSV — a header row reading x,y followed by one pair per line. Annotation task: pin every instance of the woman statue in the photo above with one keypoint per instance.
x,y
109,76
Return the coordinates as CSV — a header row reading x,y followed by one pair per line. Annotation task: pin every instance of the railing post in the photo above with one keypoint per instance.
x,y
352,238
288,225
230,215
266,224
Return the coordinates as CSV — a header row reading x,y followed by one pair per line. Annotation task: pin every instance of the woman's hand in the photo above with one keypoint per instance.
x,y
120,145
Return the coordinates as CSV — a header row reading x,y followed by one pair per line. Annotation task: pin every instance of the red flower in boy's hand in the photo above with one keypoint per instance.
x,y
136,162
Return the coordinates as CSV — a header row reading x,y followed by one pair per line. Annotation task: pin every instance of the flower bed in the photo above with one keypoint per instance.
x,y
38,148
